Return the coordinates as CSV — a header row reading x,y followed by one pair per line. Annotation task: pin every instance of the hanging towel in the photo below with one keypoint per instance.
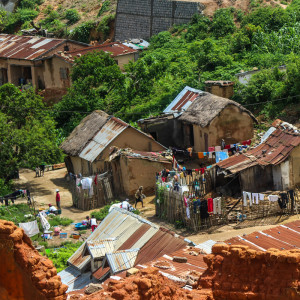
x,y
210,205
30,228
245,196
273,198
205,153
261,197
203,209
200,155
188,215
95,180
227,147
220,155
211,149
218,148
185,202
255,198
202,170
217,205
86,183
210,154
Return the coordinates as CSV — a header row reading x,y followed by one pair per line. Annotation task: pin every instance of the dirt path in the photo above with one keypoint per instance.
x,y
43,190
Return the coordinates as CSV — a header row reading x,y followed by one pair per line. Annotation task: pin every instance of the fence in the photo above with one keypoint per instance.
x,y
102,193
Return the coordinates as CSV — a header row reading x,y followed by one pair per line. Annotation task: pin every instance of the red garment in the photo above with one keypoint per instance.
x,y
210,205
57,197
185,202
93,227
95,180
227,147
202,170
211,149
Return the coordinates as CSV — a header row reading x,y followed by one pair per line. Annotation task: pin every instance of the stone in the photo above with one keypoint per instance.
x,y
180,259
92,288
132,271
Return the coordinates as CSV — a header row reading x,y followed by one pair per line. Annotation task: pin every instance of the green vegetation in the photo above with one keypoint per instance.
x,y
60,256
105,7
27,131
16,213
72,16
59,221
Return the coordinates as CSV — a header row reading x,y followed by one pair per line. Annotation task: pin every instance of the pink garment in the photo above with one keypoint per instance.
x,y
185,202
210,205
211,149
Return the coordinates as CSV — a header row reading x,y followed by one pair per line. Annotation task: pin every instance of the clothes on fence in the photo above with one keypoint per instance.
x,y
273,198
196,204
95,180
203,209
218,149
283,200
176,186
254,198
210,154
261,197
86,183
245,196
210,205
188,214
185,202
30,228
184,188
211,149
217,202
200,155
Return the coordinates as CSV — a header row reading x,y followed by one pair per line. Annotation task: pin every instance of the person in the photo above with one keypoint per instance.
x,y
125,204
42,168
37,172
57,198
93,223
139,196
88,222
52,209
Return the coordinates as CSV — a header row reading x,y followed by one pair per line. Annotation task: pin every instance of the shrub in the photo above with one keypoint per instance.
x,y
82,32
104,8
16,213
72,16
104,27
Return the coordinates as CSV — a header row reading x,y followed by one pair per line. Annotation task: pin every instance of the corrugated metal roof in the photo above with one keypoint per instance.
x,y
122,260
273,151
26,47
119,224
183,100
99,248
206,246
110,130
74,279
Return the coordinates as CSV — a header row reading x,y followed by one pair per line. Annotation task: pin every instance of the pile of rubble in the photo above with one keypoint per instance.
x,y
24,273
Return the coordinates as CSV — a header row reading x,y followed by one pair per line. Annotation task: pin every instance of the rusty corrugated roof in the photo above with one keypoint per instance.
x,y
27,47
273,151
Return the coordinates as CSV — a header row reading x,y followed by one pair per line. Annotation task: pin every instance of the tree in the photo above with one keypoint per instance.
x,y
27,131
223,23
97,83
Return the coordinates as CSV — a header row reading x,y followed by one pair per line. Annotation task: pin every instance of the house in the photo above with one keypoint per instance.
x,y
121,53
88,146
121,241
31,60
244,77
139,166
200,120
272,165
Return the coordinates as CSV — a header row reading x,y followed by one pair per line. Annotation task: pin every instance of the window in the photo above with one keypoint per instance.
x,y
64,73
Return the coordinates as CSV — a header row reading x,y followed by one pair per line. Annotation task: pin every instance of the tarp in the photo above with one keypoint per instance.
x,y
30,228
45,223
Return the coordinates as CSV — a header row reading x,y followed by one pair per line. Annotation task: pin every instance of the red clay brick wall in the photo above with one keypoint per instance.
x,y
236,272
24,273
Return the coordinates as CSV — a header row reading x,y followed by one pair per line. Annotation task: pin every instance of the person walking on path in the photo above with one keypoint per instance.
x,y
139,196
93,223
57,199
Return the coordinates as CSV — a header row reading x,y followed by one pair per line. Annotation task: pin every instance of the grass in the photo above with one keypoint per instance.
x,y
16,213
59,221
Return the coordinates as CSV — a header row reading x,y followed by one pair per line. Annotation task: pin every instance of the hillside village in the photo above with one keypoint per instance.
x,y
149,150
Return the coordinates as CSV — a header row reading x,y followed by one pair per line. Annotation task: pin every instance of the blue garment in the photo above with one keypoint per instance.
x,y
220,155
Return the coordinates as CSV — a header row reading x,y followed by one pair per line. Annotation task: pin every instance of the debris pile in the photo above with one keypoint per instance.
x,y
237,272
24,273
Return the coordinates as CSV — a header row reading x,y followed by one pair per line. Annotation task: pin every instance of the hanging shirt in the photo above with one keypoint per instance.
x,y
273,198
200,155
261,197
211,149
218,148
245,196
86,183
188,215
255,198
185,202
217,205
210,205
210,154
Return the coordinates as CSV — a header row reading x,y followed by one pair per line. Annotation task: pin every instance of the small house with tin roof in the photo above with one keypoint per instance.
x,y
200,120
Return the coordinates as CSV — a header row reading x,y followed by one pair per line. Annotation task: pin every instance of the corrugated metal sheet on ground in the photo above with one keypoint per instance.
x,y
122,260
99,248
74,279
285,234
78,259
145,238
294,225
100,273
111,129
241,241
206,246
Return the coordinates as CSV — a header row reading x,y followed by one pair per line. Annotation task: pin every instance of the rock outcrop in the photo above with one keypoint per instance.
x,y
24,273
